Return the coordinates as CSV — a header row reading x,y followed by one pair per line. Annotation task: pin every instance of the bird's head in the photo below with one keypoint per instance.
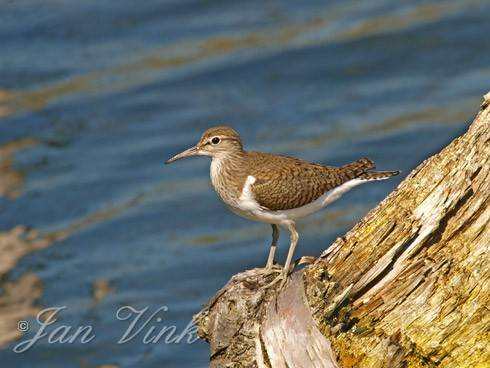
x,y
218,141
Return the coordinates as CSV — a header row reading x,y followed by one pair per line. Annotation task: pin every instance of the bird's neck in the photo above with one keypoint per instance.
x,y
228,174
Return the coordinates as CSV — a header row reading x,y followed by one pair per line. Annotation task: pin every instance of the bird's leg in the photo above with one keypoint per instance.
x,y
285,271
270,260
294,240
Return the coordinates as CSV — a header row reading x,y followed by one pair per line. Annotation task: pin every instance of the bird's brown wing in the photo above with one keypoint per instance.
x,y
284,183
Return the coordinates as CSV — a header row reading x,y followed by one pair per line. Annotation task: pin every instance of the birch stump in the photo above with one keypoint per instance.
x,y
408,286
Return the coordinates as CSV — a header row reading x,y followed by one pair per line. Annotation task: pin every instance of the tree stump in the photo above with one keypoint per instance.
x,y
408,286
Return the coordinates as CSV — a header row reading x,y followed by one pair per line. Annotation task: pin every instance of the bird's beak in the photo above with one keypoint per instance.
x,y
193,151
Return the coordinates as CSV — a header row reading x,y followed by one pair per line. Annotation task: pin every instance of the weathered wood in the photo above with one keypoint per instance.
x,y
419,267
249,326
408,286
288,322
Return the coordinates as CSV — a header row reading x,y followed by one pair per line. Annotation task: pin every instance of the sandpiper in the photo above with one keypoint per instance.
x,y
275,189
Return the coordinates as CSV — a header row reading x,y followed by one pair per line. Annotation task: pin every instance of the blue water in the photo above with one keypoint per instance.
x,y
113,89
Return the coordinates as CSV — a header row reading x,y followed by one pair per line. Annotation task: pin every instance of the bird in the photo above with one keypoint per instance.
x,y
275,189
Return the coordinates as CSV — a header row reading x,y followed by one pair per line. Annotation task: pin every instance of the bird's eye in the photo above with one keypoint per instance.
x,y
215,140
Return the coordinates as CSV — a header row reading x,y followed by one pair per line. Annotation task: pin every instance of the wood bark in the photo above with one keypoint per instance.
x,y
408,286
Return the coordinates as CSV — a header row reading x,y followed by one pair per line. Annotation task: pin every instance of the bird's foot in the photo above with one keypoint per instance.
x,y
271,269
282,278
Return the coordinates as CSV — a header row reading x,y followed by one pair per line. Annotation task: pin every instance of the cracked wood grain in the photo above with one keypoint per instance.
x,y
420,288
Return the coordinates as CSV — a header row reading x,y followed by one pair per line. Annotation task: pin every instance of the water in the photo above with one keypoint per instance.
x,y
107,91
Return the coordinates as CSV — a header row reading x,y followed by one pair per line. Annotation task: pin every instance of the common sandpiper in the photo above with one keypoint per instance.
x,y
275,189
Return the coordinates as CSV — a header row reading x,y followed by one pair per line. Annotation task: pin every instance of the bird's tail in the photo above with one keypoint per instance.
x,y
377,175
360,170
356,168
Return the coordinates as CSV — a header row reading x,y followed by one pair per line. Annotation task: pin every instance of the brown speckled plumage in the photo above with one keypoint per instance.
x,y
284,182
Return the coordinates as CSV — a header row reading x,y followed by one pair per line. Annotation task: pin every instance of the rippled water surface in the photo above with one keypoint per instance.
x,y
95,95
